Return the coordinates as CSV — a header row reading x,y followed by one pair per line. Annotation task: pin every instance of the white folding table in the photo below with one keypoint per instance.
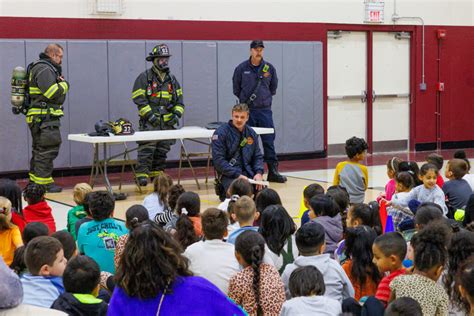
x,y
193,133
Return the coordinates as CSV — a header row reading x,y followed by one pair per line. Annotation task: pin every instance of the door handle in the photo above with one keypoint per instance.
x,y
363,97
374,96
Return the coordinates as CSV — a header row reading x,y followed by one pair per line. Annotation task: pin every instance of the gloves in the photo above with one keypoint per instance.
x,y
16,110
154,120
174,119
177,113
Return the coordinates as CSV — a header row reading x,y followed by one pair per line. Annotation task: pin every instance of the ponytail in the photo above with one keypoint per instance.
x,y
189,205
251,246
255,261
161,186
230,206
185,233
368,214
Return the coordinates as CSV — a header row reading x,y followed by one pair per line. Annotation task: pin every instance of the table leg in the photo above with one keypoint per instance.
x,y
106,178
95,166
190,164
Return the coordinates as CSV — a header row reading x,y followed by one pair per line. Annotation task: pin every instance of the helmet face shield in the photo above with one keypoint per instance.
x,y
162,63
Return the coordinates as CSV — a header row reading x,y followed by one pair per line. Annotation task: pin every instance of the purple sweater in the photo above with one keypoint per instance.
x,y
191,296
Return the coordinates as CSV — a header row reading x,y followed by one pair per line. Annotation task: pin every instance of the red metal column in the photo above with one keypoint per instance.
x,y
369,90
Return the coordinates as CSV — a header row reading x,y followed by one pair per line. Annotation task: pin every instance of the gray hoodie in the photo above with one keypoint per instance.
x,y
333,229
338,285
311,305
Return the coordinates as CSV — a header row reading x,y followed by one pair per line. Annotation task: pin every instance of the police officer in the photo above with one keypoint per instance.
x,y
255,82
159,99
235,150
47,90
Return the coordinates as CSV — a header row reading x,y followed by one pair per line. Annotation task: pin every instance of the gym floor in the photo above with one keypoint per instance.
x,y
300,173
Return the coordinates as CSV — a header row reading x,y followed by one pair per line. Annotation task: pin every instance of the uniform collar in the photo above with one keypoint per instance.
x,y
259,66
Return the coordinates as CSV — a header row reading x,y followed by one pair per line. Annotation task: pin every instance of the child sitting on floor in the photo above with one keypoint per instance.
x,y
77,212
10,237
38,209
307,289
81,282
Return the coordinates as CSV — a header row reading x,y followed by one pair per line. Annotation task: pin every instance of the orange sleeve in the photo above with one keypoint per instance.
x,y
16,237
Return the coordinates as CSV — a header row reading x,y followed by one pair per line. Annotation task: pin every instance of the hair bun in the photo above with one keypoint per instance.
x,y
436,234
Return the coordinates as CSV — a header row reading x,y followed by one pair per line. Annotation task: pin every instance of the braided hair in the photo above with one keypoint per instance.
x,y
429,246
460,248
251,246
34,193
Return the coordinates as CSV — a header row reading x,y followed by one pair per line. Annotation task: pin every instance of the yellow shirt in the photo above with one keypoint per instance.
x,y
10,239
354,177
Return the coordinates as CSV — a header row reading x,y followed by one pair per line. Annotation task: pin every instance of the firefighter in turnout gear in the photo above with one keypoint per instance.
x,y
159,99
47,93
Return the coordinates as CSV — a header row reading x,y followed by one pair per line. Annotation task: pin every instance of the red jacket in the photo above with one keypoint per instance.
x,y
19,221
40,212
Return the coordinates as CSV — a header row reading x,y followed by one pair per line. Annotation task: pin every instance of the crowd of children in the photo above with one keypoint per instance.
x,y
411,252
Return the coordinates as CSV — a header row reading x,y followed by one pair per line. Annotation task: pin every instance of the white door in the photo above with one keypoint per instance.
x,y
347,73
391,88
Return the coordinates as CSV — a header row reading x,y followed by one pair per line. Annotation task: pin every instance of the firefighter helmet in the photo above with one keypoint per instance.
x,y
160,50
122,127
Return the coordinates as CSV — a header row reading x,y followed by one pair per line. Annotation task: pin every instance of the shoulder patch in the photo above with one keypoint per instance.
x,y
250,140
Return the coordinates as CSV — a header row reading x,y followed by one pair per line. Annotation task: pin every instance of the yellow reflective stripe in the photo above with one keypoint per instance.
x,y
29,119
137,93
144,110
167,117
34,90
141,175
179,92
65,86
155,173
164,95
51,91
39,180
37,111
179,109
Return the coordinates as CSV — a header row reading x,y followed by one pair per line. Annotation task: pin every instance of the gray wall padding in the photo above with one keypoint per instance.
x,y
88,97
124,65
297,91
102,73
13,129
229,55
318,97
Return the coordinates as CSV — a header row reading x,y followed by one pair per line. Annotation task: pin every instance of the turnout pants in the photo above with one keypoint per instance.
x,y
45,148
151,158
263,118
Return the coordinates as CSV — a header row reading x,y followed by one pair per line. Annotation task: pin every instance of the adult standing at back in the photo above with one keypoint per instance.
x,y
47,90
255,82
159,98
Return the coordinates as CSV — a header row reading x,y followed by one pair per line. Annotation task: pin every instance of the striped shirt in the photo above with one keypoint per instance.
x,y
383,290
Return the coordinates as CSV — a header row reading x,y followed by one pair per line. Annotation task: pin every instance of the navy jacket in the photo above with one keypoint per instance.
x,y
245,80
225,141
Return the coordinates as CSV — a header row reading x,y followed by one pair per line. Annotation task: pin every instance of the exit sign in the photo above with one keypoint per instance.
x,y
374,11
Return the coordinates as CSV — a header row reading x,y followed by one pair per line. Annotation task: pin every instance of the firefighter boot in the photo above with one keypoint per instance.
x,y
273,174
53,188
142,181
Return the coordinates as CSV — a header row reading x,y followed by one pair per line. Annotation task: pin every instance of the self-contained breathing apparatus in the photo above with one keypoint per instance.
x,y
20,95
